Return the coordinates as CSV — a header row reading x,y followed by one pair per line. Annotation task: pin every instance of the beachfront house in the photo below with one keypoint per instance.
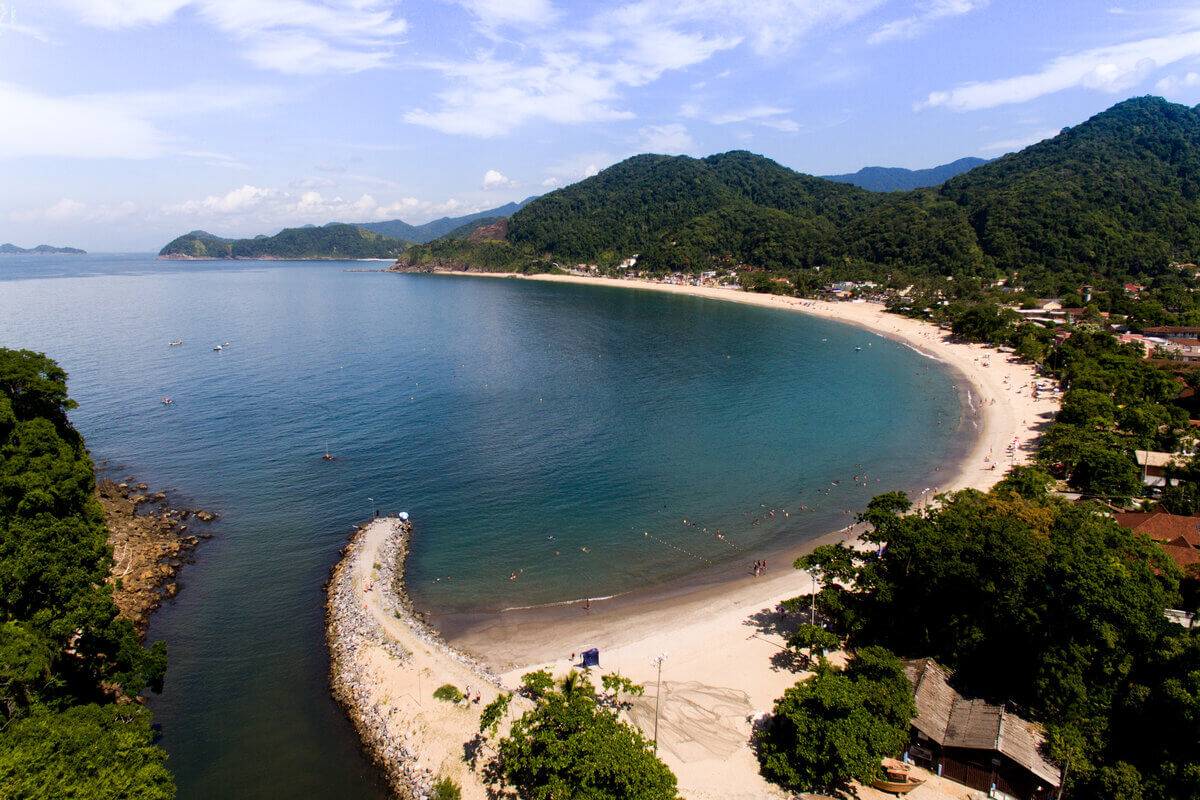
x,y
975,743
1154,465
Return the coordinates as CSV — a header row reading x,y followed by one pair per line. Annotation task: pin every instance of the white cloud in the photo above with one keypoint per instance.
x,y
68,210
312,183
785,125
756,113
115,14
927,13
493,97
1173,83
1107,69
74,127
494,180
257,209
299,37
1019,142
580,72
550,183
512,12
111,125
670,139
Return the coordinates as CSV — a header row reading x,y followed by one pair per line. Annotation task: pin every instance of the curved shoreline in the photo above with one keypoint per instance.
x,y
380,650
722,636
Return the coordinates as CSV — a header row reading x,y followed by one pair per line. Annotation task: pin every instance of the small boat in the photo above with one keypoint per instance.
x,y
166,401
896,778
858,349
175,343
217,348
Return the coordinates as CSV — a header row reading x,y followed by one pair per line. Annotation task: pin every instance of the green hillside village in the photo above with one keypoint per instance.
x,y
1033,641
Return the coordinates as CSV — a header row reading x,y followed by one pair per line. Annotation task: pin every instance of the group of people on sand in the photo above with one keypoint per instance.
x,y
760,567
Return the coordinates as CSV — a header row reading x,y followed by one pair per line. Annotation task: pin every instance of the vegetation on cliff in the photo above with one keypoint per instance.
x,y
68,663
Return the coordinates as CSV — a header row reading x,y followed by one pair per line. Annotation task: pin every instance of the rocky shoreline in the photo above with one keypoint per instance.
x,y
353,633
151,542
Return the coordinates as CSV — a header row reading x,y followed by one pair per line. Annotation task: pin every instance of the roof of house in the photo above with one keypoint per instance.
x,y
1161,526
954,721
1154,458
1170,329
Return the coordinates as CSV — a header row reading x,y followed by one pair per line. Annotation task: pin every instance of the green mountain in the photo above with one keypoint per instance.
x,y
41,249
898,179
332,241
1116,196
398,229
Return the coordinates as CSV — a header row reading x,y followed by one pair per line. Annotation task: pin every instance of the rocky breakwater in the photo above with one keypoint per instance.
x,y
151,542
385,663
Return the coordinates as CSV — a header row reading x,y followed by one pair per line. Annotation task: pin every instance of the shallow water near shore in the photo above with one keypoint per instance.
x,y
555,434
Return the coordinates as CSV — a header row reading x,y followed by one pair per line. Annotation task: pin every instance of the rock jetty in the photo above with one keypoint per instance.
x,y
379,651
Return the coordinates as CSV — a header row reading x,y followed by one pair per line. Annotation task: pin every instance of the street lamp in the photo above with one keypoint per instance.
x,y
812,614
658,662
374,513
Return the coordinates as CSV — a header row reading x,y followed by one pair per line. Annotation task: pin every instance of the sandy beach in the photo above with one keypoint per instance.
x,y
723,644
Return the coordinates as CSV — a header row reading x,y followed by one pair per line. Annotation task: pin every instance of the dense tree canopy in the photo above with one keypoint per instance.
x,y
837,726
61,641
572,746
1048,607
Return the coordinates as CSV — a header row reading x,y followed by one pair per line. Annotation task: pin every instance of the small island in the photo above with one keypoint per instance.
x,y
10,249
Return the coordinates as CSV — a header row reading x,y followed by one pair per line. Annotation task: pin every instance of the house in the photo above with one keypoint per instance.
x,y
973,742
1153,465
1172,332
1179,536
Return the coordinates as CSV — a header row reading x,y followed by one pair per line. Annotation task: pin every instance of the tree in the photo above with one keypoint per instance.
x,y
570,745
89,751
815,639
837,726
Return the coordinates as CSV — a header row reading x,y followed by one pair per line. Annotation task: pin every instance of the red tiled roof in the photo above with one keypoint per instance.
x,y
1162,527
1182,556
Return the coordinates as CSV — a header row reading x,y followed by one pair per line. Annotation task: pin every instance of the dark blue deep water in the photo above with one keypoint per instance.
x,y
520,423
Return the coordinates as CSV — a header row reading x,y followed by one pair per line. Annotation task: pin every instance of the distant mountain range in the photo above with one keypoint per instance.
x,y
336,240
898,179
1115,197
420,234
41,249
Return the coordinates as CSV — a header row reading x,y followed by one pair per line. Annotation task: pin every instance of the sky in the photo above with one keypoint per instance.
x,y
124,123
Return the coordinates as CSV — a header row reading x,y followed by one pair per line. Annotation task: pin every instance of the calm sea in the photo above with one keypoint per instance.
x,y
561,434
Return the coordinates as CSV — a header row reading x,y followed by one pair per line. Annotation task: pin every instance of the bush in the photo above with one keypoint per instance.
x,y
448,692
446,789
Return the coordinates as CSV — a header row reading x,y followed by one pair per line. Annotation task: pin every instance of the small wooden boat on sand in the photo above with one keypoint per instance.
x,y
897,778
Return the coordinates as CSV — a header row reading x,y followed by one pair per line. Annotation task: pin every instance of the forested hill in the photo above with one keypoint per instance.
x,y
1114,196
897,179
446,226
332,241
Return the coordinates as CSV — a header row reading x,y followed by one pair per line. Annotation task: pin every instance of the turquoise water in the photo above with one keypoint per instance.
x,y
541,430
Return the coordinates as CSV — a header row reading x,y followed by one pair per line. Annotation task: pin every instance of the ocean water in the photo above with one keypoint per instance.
x,y
549,441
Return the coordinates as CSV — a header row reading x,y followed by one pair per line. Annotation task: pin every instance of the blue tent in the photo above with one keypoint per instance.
x,y
591,658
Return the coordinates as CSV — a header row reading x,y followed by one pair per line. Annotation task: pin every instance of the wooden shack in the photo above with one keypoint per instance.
x,y
975,743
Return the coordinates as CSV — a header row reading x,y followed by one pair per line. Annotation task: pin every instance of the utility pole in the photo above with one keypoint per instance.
x,y
812,616
658,662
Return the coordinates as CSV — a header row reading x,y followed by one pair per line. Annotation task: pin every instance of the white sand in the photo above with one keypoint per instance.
x,y
718,670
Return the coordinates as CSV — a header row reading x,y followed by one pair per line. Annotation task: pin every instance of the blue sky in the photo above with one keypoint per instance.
x,y
126,122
